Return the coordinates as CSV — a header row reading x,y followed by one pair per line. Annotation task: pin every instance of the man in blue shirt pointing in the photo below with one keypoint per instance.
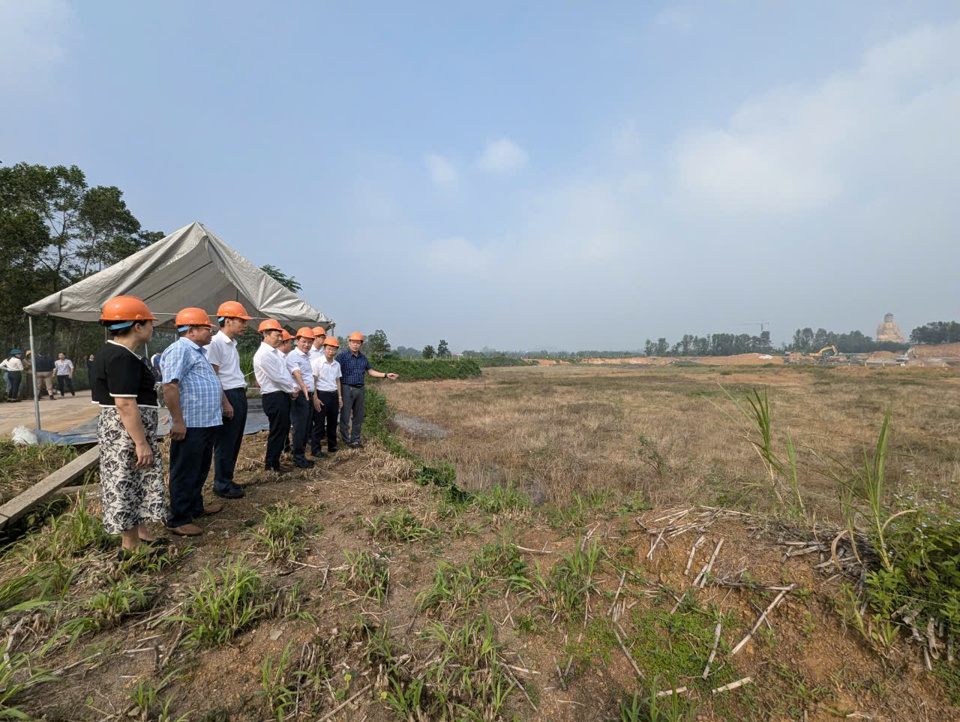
x,y
353,366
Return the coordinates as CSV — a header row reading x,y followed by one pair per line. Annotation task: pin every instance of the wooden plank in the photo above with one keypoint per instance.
x,y
19,505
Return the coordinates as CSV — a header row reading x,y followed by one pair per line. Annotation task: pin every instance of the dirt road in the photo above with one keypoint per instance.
x,y
58,415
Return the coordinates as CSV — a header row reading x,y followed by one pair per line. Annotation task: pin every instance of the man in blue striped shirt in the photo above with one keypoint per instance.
x,y
353,366
193,394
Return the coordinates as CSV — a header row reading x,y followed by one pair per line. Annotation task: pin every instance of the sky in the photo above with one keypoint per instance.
x,y
525,175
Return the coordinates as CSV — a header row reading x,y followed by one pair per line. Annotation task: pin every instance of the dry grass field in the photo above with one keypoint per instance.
x,y
622,557
565,429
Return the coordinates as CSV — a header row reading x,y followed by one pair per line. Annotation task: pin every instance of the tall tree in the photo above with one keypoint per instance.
x,y
283,279
377,344
443,350
66,231
428,351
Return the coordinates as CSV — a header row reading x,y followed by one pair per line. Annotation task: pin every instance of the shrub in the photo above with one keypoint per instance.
x,y
421,369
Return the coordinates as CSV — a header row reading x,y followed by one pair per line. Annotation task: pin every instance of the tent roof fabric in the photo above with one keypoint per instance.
x,y
190,267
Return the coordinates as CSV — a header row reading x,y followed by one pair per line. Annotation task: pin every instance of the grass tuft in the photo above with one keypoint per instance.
x,y
226,601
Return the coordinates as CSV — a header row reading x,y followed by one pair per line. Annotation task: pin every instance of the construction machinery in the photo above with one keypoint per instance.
x,y
819,354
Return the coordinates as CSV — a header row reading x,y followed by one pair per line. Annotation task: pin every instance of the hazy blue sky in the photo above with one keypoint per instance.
x,y
573,175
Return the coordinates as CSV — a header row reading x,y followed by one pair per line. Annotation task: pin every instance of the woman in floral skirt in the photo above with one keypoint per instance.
x,y
131,470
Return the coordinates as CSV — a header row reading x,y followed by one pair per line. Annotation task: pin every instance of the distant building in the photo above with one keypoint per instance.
x,y
889,331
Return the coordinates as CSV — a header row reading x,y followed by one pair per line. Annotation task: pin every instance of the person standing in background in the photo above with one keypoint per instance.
x,y
329,394
90,359
277,389
301,409
223,356
155,365
13,374
316,418
43,368
64,369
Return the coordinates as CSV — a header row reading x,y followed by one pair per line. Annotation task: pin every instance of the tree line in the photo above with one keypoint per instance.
x,y
936,332
56,229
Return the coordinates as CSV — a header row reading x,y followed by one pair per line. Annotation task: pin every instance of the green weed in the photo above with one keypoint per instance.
x,y
117,601
572,576
501,498
649,454
653,708
275,688
17,675
66,536
367,575
399,525
226,601
466,677
282,531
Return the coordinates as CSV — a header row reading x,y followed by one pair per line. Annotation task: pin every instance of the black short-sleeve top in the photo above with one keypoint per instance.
x,y
117,372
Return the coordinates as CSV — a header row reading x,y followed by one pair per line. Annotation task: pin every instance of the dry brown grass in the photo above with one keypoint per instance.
x,y
567,428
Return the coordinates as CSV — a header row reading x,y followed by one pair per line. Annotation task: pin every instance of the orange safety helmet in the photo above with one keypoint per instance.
x,y
192,317
126,308
356,336
305,332
233,309
286,336
331,341
271,324
319,331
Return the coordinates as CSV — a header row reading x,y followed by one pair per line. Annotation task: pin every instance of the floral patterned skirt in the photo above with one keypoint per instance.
x,y
131,496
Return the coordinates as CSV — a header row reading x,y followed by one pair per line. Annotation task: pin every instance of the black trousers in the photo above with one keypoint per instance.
x,y
276,406
15,377
226,443
65,380
300,410
352,406
189,465
327,420
317,428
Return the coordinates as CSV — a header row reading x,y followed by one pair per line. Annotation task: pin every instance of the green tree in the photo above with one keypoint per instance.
x,y
280,277
443,350
428,351
376,344
67,231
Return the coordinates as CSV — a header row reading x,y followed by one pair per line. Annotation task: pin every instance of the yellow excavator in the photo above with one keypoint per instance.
x,y
819,354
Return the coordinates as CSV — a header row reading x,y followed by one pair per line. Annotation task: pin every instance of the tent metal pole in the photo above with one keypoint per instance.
x,y
33,374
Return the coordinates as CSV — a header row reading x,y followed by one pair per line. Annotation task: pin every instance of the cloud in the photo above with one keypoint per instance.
x,y
442,172
457,256
502,156
678,18
794,150
32,38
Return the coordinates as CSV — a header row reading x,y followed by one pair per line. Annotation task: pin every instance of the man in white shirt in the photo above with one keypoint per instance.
x,y
328,393
277,389
223,356
64,370
301,409
315,433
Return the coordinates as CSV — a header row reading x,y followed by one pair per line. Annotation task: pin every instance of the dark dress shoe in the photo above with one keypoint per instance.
x,y
304,464
230,493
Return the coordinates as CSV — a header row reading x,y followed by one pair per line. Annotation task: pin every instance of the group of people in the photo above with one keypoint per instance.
x,y
305,390
45,368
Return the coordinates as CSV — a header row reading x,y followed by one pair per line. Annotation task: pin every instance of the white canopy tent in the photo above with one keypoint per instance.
x,y
190,267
